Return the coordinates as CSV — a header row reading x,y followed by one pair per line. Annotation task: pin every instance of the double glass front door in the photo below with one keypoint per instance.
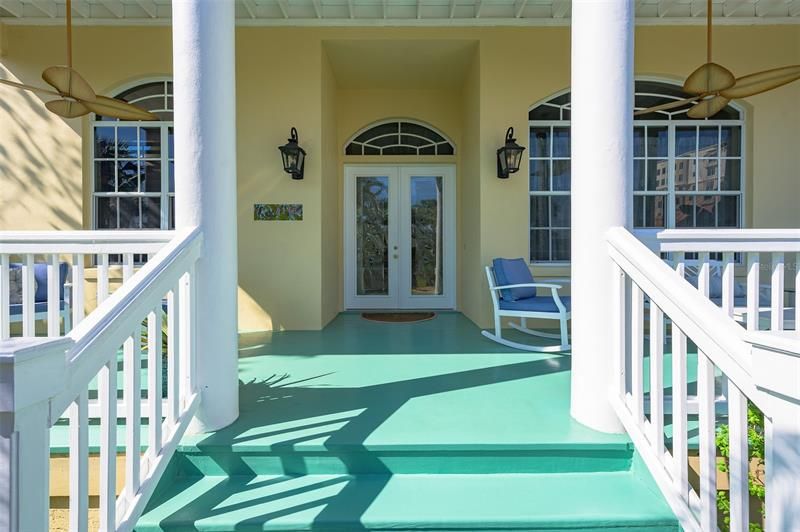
x,y
399,237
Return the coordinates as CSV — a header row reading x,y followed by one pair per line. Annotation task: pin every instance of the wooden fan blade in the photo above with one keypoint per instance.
x,y
709,78
28,87
105,106
708,107
68,82
665,106
67,108
759,82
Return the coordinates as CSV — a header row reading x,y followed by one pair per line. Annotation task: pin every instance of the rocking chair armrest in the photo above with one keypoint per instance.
x,y
527,285
559,304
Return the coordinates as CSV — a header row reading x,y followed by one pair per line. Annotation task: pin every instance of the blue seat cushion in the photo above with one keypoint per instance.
x,y
16,310
513,271
535,304
40,274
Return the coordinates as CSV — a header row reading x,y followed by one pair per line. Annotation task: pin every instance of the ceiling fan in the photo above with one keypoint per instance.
x,y
75,96
712,86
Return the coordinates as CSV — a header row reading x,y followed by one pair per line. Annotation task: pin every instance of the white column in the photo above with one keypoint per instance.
x,y
203,48
602,131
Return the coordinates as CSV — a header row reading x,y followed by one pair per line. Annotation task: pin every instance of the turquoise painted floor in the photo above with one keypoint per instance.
x,y
427,426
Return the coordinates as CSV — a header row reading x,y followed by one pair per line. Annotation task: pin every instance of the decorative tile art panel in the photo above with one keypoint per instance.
x,y
290,212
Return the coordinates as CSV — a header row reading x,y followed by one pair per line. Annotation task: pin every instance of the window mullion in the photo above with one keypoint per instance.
x,y
671,199
164,173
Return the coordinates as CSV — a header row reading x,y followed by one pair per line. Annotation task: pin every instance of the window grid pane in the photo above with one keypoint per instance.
x,y
687,173
133,175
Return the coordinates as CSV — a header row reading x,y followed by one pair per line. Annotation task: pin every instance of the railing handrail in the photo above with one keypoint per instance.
x,y
714,333
89,241
111,322
730,240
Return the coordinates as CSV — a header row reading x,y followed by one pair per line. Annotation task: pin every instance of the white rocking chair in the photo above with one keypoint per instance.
x,y
533,306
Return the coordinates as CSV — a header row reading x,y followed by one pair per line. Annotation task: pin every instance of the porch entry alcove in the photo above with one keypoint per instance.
x,y
399,237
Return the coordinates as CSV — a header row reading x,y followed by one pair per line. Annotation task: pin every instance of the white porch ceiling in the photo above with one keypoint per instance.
x,y
398,12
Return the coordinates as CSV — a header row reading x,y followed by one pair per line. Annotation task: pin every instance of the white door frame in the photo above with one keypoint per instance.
x,y
399,296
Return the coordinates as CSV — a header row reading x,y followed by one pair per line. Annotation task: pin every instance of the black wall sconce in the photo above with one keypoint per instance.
x,y
294,157
509,156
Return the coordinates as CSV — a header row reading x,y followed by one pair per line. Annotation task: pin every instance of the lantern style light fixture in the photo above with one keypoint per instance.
x,y
509,156
294,157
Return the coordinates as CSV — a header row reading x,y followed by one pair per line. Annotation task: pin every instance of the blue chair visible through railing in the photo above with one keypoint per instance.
x,y
513,293
40,295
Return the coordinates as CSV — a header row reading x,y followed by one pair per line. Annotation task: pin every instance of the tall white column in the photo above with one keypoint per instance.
x,y
602,144
203,48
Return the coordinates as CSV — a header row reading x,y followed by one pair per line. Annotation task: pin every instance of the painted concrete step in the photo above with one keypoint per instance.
x,y
389,460
557,502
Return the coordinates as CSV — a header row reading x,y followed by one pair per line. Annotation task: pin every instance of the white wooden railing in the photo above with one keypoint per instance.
x,y
643,283
760,306
44,379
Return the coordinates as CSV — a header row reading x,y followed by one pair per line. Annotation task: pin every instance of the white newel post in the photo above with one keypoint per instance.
x,y
203,43
602,144
776,370
31,373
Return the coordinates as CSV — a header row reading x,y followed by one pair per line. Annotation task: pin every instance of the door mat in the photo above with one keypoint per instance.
x,y
398,317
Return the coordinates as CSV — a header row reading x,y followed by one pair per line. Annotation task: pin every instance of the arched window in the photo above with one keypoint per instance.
x,y
132,164
687,172
399,137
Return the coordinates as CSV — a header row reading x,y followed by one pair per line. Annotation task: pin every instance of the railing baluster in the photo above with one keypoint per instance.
x,y
657,378
776,292
53,299
186,325
77,299
619,308
79,463
739,466
127,266
637,352
679,258
102,277
708,461
107,397
753,304
133,417
680,452
728,283
703,274
28,297
5,314
154,379
173,359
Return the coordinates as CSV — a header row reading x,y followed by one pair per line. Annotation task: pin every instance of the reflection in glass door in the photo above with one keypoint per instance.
x,y
372,235
399,237
426,236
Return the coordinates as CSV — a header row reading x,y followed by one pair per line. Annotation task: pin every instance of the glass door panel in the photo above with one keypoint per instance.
x,y
427,228
372,235
427,237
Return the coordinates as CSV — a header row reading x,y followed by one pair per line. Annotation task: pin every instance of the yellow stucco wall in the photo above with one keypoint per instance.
x,y
471,83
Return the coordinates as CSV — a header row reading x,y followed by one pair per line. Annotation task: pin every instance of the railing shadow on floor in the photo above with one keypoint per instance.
x,y
278,403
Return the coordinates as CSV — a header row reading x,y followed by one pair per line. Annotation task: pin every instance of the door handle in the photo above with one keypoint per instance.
x,y
395,256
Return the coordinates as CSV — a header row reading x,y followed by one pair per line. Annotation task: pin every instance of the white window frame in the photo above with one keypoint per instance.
x,y
648,235
166,196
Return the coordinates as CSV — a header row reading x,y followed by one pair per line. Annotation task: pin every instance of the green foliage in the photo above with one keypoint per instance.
x,y
164,334
755,440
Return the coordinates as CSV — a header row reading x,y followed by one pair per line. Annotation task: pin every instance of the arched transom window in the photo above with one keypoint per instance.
x,y
132,170
399,137
687,172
